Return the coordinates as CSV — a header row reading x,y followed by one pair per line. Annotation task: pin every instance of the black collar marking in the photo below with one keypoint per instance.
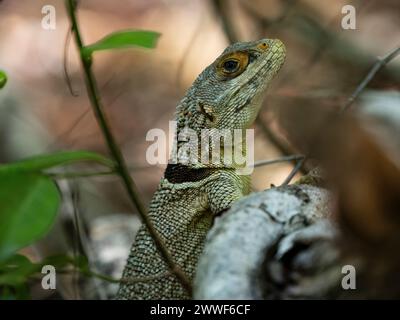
x,y
179,173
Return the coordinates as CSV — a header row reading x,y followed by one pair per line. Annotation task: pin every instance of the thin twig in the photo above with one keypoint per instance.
x,y
127,280
296,169
83,115
83,174
65,63
379,64
115,152
70,128
270,135
74,175
283,147
186,52
375,68
278,160
265,22
132,280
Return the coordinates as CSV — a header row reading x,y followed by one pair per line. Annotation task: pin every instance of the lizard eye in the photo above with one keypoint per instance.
x,y
231,65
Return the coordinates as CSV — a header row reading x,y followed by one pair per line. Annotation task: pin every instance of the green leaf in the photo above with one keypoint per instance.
x,y
123,39
29,200
15,273
82,263
58,261
41,162
3,79
28,207
16,270
14,261
20,292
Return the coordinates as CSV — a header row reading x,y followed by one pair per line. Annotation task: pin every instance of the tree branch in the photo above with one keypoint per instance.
x,y
379,64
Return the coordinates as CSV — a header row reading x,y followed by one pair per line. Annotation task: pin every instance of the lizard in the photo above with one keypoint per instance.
x,y
228,94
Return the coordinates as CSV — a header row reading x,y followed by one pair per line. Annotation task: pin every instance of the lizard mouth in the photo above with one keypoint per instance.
x,y
266,64
272,59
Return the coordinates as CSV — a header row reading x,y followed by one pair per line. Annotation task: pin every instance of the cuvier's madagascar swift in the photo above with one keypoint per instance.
x,y
228,94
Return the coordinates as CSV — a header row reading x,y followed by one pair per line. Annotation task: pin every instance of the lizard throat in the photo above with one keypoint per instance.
x,y
179,173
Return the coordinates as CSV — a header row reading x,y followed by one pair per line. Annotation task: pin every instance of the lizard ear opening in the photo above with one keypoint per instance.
x,y
208,111
232,65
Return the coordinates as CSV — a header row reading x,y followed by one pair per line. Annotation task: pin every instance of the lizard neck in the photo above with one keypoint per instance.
x,y
200,143
179,173
210,148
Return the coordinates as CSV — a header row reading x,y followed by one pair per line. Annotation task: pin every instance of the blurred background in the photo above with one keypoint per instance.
x,y
140,88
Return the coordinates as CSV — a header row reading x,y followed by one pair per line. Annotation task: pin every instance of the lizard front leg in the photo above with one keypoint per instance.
x,y
224,191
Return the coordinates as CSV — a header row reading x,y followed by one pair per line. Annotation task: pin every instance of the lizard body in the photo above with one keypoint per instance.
x,y
226,95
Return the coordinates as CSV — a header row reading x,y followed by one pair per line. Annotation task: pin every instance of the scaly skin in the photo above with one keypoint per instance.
x,y
224,96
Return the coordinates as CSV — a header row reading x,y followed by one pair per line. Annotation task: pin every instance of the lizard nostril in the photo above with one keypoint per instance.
x,y
263,46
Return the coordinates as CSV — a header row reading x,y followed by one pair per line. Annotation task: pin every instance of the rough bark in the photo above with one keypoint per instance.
x,y
294,241
249,246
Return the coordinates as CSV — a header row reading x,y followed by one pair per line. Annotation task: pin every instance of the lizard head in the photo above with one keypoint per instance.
x,y
228,94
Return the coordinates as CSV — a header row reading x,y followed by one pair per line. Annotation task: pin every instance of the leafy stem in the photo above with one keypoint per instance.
x,y
121,167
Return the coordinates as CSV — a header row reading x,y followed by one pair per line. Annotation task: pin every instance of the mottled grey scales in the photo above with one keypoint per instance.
x,y
182,211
